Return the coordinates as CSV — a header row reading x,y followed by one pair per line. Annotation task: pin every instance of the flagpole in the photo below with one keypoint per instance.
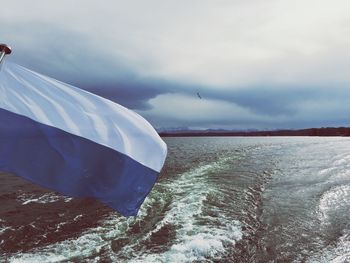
x,y
4,50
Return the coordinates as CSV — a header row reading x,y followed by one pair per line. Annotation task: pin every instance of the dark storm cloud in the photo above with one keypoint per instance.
x,y
275,101
255,107
61,53
134,94
253,63
264,100
70,57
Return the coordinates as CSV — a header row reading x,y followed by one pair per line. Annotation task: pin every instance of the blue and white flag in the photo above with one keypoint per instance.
x,y
74,142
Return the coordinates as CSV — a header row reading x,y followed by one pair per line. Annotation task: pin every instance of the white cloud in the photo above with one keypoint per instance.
x,y
219,43
169,109
224,46
189,108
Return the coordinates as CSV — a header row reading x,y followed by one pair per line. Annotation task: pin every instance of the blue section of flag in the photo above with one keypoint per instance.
x,y
81,113
71,164
75,142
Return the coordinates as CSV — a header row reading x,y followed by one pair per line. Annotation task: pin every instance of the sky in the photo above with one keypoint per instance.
x,y
257,64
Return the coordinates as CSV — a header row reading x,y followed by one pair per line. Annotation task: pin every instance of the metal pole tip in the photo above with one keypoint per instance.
x,y
5,48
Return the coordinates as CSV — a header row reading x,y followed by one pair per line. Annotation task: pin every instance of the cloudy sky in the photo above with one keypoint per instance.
x,y
261,64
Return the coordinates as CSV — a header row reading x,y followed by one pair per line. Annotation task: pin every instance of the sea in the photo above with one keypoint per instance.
x,y
218,199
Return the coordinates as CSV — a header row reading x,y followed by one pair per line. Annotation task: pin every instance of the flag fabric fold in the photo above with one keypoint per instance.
x,y
74,142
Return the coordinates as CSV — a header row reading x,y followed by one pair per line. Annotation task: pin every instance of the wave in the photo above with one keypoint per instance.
x,y
177,204
198,235
340,253
26,198
334,201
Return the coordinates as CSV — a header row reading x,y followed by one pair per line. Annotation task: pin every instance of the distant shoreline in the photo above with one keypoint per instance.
x,y
341,131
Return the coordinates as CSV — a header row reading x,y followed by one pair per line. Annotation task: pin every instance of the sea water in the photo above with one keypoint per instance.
x,y
218,199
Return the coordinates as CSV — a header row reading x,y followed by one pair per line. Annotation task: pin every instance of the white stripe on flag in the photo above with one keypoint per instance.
x,y
81,113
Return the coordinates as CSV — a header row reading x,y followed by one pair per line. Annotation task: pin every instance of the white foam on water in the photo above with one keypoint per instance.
x,y
42,199
88,244
37,259
341,159
5,228
194,241
66,250
209,244
77,217
333,203
328,170
338,169
337,254
335,199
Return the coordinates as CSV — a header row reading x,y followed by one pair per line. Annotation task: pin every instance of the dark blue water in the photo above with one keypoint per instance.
x,y
218,200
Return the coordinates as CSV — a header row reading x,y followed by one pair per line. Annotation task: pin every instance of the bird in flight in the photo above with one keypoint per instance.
x,y
199,96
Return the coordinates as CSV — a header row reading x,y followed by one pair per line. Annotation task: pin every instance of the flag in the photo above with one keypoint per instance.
x,y
75,142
